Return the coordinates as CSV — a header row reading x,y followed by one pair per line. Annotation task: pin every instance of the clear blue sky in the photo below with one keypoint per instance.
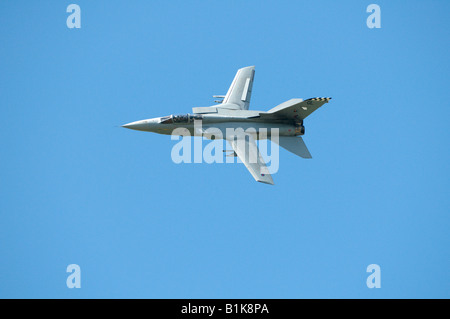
x,y
77,188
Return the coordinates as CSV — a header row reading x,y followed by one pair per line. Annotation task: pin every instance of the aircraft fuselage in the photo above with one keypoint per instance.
x,y
201,124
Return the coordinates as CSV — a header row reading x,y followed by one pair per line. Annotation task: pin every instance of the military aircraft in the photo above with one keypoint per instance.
x,y
232,112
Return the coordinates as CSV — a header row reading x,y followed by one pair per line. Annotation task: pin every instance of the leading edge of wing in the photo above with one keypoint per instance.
x,y
251,159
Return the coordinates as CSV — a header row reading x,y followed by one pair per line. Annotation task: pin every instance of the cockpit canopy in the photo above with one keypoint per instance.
x,y
183,118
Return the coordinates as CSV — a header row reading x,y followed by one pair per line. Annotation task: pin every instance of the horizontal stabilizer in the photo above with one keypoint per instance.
x,y
294,145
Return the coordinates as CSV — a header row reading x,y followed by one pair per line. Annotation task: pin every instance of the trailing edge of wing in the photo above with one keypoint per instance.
x,y
245,147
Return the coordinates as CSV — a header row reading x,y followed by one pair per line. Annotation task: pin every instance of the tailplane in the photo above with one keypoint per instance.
x,y
294,144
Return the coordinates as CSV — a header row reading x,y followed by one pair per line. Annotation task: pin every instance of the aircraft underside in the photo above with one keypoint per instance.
x,y
233,121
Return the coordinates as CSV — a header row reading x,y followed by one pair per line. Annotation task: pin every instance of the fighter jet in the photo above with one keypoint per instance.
x,y
232,112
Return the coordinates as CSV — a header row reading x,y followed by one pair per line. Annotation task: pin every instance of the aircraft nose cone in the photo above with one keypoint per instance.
x,y
138,125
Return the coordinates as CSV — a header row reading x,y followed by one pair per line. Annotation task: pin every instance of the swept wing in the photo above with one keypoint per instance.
x,y
244,145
